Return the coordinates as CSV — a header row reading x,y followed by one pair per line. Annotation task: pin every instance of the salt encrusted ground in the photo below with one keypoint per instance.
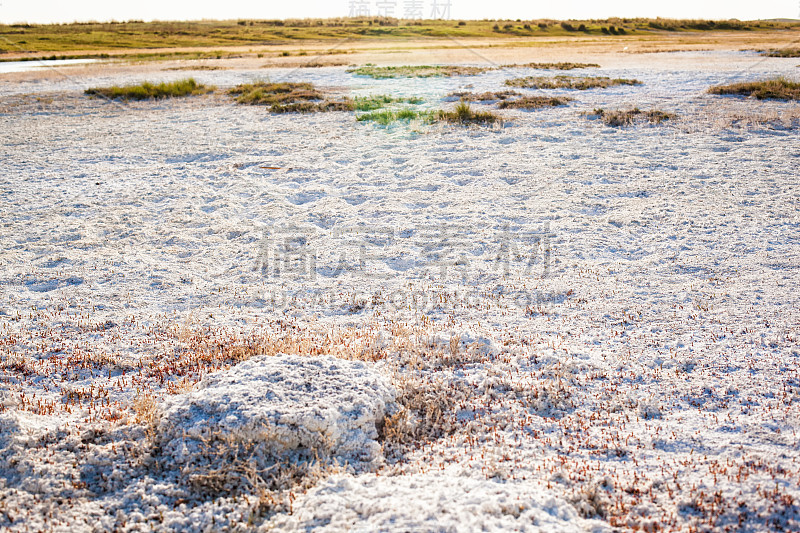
x,y
610,315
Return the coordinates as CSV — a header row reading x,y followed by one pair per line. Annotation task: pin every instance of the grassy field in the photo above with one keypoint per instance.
x,y
134,35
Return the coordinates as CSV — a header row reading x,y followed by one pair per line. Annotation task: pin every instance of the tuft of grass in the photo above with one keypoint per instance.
x,y
373,102
384,117
464,114
148,91
627,117
420,71
580,83
775,89
554,66
483,97
534,102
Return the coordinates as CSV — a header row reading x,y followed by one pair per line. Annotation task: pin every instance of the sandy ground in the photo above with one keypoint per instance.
x,y
582,327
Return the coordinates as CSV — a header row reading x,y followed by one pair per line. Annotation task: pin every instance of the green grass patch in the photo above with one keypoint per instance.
x,y
422,71
148,91
461,115
569,82
554,66
534,102
371,103
628,117
384,117
776,89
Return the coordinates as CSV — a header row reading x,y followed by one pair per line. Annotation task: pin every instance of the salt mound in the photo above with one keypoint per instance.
x,y
282,408
427,502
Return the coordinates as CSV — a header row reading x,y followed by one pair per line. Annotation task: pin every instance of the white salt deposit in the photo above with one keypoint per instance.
x,y
283,406
430,503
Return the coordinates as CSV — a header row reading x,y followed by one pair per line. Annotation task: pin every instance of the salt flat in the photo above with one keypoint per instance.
x,y
600,324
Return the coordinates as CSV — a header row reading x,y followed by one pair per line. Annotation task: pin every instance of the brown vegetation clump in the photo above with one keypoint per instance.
x,y
534,102
627,117
484,97
775,89
288,97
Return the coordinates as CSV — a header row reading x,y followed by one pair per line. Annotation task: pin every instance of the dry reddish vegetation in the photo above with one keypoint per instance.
x,y
580,83
483,97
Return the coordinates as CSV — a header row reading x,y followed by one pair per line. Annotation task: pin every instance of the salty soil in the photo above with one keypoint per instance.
x,y
551,324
